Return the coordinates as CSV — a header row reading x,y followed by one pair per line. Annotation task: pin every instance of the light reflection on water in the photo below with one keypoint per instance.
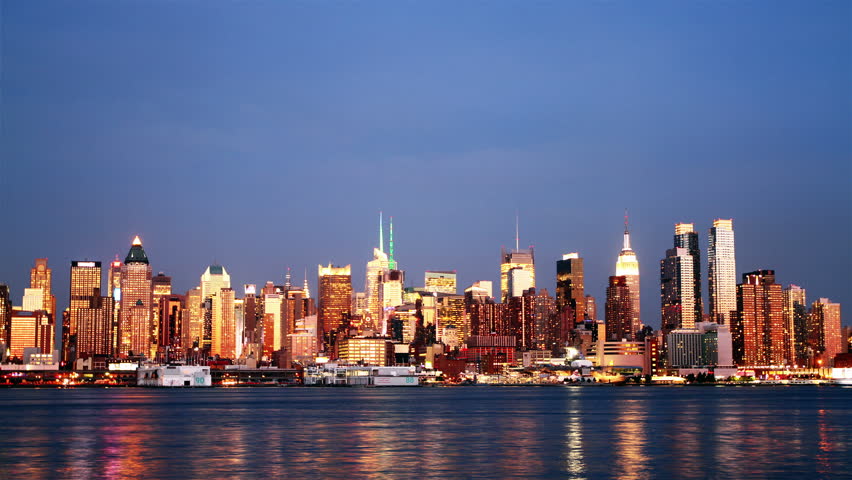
x,y
467,432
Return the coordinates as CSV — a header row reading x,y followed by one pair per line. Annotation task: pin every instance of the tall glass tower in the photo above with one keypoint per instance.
x,y
722,271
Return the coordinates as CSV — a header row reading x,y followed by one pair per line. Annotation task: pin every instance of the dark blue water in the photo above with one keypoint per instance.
x,y
466,432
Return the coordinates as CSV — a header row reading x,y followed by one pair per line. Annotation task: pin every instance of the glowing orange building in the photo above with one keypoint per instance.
x,y
758,327
136,302
335,297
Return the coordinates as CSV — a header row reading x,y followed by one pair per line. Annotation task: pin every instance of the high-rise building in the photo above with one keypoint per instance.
x,y
520,281
825,329
758,326
41,277
224,328
193,322
30,330
619,309
273,329
677,303
591,308
335,297
5,313
627,266
441,282
796,322
722,271
569,287
136,302
213,279
376,270
517,259
686,237
114,291
33,299
90,314
250,312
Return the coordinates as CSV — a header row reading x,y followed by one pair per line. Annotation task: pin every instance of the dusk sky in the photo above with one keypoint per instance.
x,y
263,135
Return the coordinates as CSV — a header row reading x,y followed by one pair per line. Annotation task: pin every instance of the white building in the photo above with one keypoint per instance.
x,y
722,271
174,376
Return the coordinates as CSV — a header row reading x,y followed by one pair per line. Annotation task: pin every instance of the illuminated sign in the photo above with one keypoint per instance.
x,y
86,264
123,367
251,289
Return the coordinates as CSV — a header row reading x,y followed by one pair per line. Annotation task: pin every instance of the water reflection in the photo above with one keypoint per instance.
x,y
573,432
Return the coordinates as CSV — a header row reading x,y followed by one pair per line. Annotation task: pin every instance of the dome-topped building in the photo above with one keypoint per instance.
x,y
136,253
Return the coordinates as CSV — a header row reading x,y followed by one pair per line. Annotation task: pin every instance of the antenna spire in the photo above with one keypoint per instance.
x,y
392,262
517,231
381,234
626,232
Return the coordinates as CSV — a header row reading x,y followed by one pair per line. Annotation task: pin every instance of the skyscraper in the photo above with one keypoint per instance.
x,y
90,313
441,282
569,286
758,326
136,302
5,313
212,281
591,308
627,266
686,237
224,328
193,322
619,309
796,322
114,291
722,271
376,270
516,259
335,297
41,277
677,287
825,330
30,330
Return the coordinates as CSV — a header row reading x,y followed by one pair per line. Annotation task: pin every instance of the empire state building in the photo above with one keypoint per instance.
x,y
628,267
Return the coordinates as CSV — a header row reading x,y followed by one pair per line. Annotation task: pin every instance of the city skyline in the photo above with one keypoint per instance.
x,y
304,121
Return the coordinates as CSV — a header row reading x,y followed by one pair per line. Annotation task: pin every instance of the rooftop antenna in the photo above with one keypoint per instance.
x,y
517,232
381,234
392,262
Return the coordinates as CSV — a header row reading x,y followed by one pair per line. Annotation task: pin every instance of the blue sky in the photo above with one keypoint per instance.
x,y
269,134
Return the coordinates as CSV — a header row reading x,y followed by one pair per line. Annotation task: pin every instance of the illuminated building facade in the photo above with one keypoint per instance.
x,y
796,321
214,279
42,277
758,325
33,299
366,350
114,291
193,321
161,287
440,282
272,326
619,310
376,270
591,312
516,259
90,314
569,287
627,266
722,271
677,290
825,329
251,313
335,297
224,329
30,330
520,280
686,237
136,302
5,313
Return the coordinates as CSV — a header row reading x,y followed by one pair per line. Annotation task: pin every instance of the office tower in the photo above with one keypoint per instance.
x,y
295,306
334,298
136,300
114,291
391,260
441,282
30,330
722,271
569,287
5,313
758,326
531,317
273,331
240,325
516,260
376,270
214,279
627,266
224,328
520,280
193,322
483,289
33,299
686,237
824,330
250,313
796,322
393,286
90,314
619,309
41,277
677,304
591,308
161,288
